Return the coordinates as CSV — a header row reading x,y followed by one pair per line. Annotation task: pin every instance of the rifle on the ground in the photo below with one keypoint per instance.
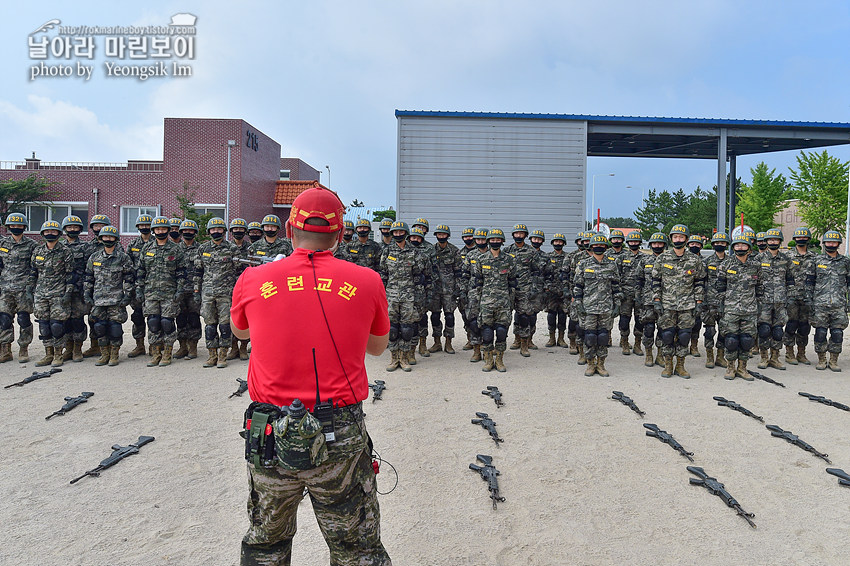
x,y
243,387
494,393
723,402
825,401
489,425
618,396
118,454
255,260
667,438
35,375
488,473
377,389
794,439
70,403
718,489
843,477
763,377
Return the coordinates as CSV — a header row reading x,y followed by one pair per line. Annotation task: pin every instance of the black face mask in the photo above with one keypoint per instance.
x,y
270,233
217,236
634,247
254,237
518,240
399,237
657,249
597,250
720,249
416,243
385,233
144,231
801,243
442,239
695,249
831,248
741,253
174,235
347,237
558,247
773,246
617,245
17,231
363,233
679,245
161,236
51,237
238,234
762,247
73,234
584,246
495,245
188,237
468,242
537,245
482,246
579,245
108,243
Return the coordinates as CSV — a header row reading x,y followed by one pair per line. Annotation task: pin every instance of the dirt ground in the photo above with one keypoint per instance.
x,y
583,483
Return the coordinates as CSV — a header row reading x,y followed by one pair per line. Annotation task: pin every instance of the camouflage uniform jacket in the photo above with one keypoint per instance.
x,y
134,249
777,276
79,253
463,278
402,271
495,278
449,268
530,266
162,271
53,272
15,263
427,250
826,281
190,251
643,279
630,264
215,272
577,257
712,268
554,284
110,278
264,249
799,268
472,292
596,285
678,282
242,251
739,285
364,254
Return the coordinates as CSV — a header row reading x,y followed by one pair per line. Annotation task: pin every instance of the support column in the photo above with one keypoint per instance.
x,y
733,185
721,180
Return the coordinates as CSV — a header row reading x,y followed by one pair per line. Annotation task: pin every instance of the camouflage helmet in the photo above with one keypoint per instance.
x,y
418,231
558,236
443,229
16,218
761,236
422,222
538,234
658,237
255,226
108,231
695,239
803,233
481,233
238,223
831,236
680,229
348,224
634,236
399,225
720,237
72,221
174,223
143,219
100,219
496,233
159,222
386,224
599,239
214,222
364,223
520,228
270,219
617,234
742,239
50,225
774,233
190,225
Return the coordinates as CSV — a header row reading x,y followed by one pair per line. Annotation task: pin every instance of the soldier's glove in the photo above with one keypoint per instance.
x,y
656,305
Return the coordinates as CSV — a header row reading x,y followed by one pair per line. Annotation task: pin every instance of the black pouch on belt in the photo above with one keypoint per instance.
x,y
258,433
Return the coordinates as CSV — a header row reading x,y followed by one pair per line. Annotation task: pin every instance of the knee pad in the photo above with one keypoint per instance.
x,y
501,332
423,321
764,331
487,334
137,317
522,321
395,331
697,326
580,333
450,319
602,336
210,332
116,331
435,318
638,325
562,320
100,328
552,319
710,331
802,330
684,336
836,335
731,342
167,324
24,319
5,321
57,328
182,319
193,320
473,327
649,329
516,318
668,336
792,326
624,323
154,324
226,334
573,325
44,329
778,332
78,325
591,338
820,334
746,342
408,331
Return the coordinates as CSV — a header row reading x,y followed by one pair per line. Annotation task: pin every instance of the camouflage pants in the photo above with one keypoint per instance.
x,y
79,309
16,304
774,315
447,307
525,303
739,325
188,319
673,320
798,326
161,309
402,312
216,313
491,315
114,313
557,309
575,320
833,319
597,329
344,497
629,309
710,316
649,322
48,309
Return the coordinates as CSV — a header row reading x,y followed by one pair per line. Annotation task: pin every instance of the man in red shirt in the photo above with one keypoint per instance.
x,y
311,318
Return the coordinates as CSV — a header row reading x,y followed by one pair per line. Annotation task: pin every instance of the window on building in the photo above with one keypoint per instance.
x,y
38,214
214,209
284,174
129,215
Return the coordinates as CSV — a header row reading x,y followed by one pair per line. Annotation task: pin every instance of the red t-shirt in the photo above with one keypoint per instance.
x,y
279,303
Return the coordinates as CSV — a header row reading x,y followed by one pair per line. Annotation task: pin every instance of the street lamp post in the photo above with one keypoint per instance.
x,y
593,196
328,167
230,145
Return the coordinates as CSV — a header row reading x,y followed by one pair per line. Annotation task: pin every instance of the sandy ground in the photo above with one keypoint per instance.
x,y
583,484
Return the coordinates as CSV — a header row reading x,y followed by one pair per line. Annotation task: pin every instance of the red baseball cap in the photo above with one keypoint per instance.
x,y
317,202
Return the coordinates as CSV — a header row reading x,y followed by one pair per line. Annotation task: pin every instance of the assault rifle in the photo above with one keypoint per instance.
x,y
488,473
118,454
255,260
70,403
723,402
826,401
35,375
494,393
618,396
843,477
487,423
794,439
667,438
243,387
377,389
718,489
763,377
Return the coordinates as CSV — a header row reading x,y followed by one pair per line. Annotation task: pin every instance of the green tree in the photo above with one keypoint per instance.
x,y
186,204
820,182
379,215
762,198
15,194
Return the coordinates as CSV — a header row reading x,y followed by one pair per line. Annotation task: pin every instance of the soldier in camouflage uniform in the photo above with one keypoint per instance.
x,y
494,277
447,272
568,267
574,261
421,295
617,241
189,310
630,262
96,224
134,249
238,229
174,229
827,280
215,273
530,263
695,245
678,280
710,314
643,298
75,331
761,243
739,287
555,300
386,235
596,291
363,250
537,238
347,238
472,294
52,281
160,286
432,293
468,238
271,244
16,298
799,313
110,278
255,232
402,271
773,315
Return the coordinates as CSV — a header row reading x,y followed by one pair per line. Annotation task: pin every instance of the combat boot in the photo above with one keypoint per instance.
x,y
410,356
166,355
624,344
68,352
23,353
561,341
821,361
192,347
138,350
668,367
243,350
93,350
156,355
498,361
113,354
552,340
212,359
48,357
659,358
234,349
774,359
476,353
573,346
448,347
764,358
730,370
468,345
6,353
182,350
600,367
77,352
516,344
222,358
833,361
403,361
394,363
637,349
741,371
104,356
57,358
789,355
581,359
720,359
695,346
650,361
489,362
529,342
436,346
423,350
709,357
680,367
801,356
523,347
591,367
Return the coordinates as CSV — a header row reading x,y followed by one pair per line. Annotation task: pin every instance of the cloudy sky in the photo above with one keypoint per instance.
x,y
323,78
